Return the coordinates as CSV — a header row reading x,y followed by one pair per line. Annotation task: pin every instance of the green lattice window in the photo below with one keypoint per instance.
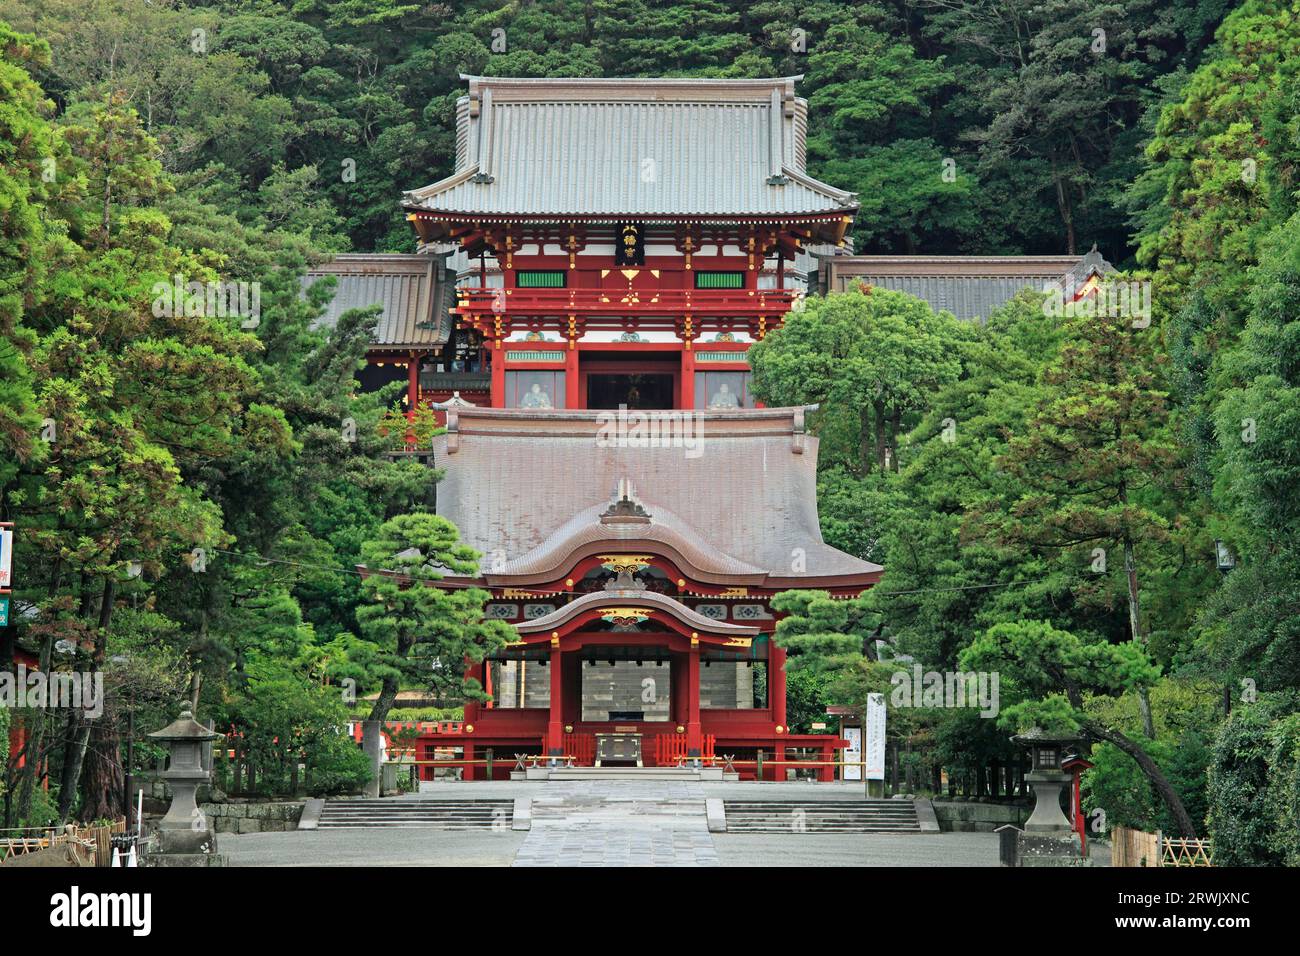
x,y
719,280
540,279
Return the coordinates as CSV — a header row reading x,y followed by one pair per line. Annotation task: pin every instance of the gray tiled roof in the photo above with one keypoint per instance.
x,y
515,478
605,147
414,290
970,287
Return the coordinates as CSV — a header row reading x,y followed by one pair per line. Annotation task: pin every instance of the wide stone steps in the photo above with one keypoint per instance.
x,y
839,816
625,773
418,813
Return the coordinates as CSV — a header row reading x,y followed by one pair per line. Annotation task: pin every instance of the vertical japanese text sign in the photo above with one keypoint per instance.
x,y
875,737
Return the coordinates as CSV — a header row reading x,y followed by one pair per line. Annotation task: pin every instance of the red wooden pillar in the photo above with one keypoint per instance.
x,y
776,683
694,741
688,377
555,725
572,395
469,767
498,355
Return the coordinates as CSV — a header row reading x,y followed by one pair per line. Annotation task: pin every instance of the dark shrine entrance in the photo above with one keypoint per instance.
x,y
634,391
623,683
639,379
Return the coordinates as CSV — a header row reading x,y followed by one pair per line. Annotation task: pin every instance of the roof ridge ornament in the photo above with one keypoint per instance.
x,y
624,508
624,581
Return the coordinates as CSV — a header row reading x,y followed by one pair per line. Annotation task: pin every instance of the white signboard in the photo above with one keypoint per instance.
x,y
6,557
875,736
853,753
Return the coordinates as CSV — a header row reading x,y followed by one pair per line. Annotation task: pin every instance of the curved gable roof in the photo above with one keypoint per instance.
x,y
627,597
549,559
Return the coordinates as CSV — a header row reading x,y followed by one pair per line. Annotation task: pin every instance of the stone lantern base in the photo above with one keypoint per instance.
x,y
1036,849
1047,817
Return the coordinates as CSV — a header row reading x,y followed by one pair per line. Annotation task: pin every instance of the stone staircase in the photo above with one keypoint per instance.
x,y
823,816
417,813
627,773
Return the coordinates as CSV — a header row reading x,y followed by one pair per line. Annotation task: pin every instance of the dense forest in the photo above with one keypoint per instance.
x,y
1055,493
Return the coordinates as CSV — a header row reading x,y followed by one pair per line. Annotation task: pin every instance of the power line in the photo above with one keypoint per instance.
x,y
293,564
963,587
337,570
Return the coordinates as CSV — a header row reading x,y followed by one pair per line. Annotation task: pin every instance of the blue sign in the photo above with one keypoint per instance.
x,y
4,611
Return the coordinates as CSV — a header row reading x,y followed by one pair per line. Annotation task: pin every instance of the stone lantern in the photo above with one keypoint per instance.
x,y
183,834
1047,778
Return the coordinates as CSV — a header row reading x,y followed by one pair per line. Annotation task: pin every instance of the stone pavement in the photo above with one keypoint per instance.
x,y
614,823
618,823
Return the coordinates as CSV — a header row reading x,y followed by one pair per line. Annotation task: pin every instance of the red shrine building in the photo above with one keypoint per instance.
x,y
615,247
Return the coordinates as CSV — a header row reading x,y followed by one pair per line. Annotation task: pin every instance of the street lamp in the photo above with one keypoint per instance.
x,y
1224,559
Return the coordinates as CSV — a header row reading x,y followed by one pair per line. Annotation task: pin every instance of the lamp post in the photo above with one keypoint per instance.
x,y
1224,559
184,836
1048,837
1046,778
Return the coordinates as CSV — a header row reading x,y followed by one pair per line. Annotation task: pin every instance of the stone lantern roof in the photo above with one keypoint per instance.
x,y
185,728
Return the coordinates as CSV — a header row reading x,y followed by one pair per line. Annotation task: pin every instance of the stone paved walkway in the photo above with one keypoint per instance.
x,y
619,823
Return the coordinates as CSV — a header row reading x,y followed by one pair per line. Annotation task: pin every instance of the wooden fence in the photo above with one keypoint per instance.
x,y
1138,848
98,840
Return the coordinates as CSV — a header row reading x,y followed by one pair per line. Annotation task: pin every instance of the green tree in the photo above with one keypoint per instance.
x,y
1093,456
1056,670
425,634
875,355
30,153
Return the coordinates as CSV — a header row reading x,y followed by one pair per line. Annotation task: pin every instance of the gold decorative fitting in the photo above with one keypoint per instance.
x,y
469,728
555,642
780,729
681,729
624,615
618,563
568,728
568,582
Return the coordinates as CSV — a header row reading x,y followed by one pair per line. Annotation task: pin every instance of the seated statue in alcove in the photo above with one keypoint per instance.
x,y
536,398
724,397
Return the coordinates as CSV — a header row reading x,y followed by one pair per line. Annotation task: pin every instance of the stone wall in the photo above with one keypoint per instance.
x,y
971,817
252,817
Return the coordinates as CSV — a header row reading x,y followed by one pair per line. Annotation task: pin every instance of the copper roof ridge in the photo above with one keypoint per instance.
x,y
630,83
596,414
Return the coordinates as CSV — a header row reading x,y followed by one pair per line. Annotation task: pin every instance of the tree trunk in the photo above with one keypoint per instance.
x,y
880,435
38,726
1067,213
1167,793
896,426
102,781
864,440
1135,628
74,753
387,696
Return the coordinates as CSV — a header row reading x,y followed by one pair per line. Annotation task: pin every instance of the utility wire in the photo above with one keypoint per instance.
x,y
337,570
